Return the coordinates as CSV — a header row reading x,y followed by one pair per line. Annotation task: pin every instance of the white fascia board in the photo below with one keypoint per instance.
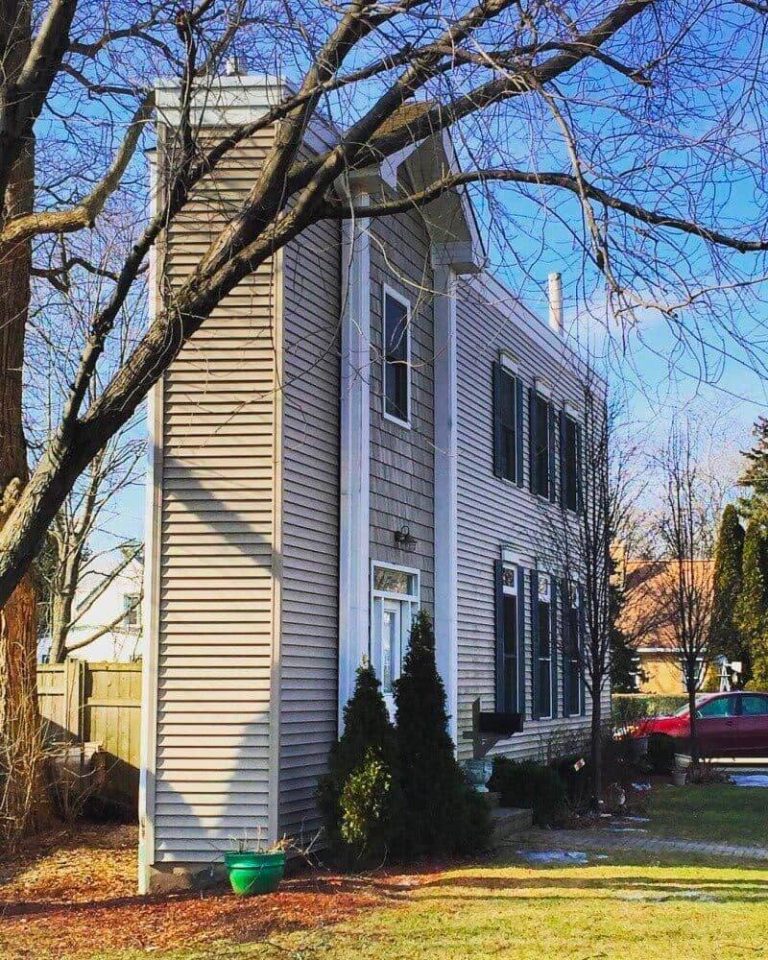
x,y
480,254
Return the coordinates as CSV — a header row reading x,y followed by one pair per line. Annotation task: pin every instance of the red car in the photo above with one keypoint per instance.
x,y
728,724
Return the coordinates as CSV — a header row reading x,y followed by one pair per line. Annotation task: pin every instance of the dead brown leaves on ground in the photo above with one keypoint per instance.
x,y
73,895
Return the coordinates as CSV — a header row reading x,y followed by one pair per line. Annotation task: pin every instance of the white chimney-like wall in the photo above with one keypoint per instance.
x,y
555,292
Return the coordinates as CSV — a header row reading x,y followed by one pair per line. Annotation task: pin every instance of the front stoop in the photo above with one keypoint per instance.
x,y
508,822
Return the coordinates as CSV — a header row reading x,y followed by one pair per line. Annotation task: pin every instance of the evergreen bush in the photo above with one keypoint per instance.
x,y
725,635
530,785
443,814
359,798
752,605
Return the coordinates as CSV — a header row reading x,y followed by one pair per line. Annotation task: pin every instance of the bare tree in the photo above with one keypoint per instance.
x,y
593,518
687,533
559,103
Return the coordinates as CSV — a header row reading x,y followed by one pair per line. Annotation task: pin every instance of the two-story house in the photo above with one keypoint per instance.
x,y
369,425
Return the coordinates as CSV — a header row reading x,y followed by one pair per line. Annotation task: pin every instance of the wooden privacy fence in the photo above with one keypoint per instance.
x,y
97,702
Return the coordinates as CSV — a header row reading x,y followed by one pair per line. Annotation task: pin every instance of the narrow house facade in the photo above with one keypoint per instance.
x,y
368,426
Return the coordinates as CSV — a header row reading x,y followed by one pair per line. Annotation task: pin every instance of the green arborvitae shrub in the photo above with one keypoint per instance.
x,y
530,785
752,605
755,476
443,814
725,635
359,797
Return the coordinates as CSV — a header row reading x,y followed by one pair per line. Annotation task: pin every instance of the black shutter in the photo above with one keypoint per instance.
x,y
552,444
521,641
566,615
579,462
581,641
535,706
563,447
554,644
498,446
498,568
519,430
532,438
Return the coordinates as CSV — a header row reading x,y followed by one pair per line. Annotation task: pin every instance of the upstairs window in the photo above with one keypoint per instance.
x,y
397,358
570,461
507,424
542,437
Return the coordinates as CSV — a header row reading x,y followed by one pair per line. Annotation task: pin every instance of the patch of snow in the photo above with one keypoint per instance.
x,y
641,787
553,856
750,779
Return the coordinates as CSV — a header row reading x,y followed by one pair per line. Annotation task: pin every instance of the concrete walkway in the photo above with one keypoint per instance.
x,y
631,839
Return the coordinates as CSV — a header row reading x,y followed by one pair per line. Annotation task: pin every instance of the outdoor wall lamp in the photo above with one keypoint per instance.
x,y
405,539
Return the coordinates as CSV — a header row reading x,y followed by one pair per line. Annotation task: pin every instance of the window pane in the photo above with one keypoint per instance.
x,y
509,578
574,688
719,707
753,706
545,688
544,629
510,654
396,335
541,446
510,626
387,580
571,464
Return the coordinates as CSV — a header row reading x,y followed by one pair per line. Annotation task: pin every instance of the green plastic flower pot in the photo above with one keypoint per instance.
x,y
251,873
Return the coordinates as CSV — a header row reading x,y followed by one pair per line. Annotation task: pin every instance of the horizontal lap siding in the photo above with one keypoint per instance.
x,y
493,513
216,550
310,509
402,460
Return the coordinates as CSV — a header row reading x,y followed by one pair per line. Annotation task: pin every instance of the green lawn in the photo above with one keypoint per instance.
x,y
715,812
632,910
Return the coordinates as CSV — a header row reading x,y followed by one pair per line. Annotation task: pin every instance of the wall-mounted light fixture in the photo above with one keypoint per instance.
x,y
405,539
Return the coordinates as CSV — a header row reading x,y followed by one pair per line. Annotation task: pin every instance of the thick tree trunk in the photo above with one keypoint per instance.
x,y
21,793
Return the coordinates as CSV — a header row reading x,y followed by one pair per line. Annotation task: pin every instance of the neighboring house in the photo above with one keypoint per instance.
x,y
648,620
111,614
367,426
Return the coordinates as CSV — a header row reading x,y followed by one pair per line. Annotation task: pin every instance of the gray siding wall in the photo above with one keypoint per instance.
x,y
310,512
402,460
216,531
493,513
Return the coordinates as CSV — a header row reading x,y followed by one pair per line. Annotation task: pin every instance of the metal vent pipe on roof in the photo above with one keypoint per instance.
x,y
555,291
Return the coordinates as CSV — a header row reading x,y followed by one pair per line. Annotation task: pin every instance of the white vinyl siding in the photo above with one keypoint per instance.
x,y
494,514
310,509
216,529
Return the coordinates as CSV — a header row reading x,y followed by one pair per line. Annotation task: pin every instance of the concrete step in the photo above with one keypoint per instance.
x,y
509,821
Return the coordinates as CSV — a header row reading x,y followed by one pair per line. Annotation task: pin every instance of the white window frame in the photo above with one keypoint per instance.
x,y
134,612
410,604
387,291
574,603
545,596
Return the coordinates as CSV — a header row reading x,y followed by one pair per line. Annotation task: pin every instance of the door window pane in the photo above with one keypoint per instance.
x,y
387,580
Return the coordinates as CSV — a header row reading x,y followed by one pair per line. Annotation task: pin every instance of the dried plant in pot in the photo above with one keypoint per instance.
x,y
254,868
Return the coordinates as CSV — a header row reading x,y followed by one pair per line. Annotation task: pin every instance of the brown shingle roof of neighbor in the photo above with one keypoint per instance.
x,y
647,617
405,115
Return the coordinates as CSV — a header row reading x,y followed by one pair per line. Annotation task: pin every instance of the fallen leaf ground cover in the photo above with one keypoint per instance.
x,y
73,895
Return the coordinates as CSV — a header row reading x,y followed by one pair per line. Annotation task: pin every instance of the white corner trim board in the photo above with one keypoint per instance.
x,y
354,541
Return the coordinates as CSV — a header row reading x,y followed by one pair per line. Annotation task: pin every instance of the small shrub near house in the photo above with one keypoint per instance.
x,y
443,814
359,798
398,792
530,785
